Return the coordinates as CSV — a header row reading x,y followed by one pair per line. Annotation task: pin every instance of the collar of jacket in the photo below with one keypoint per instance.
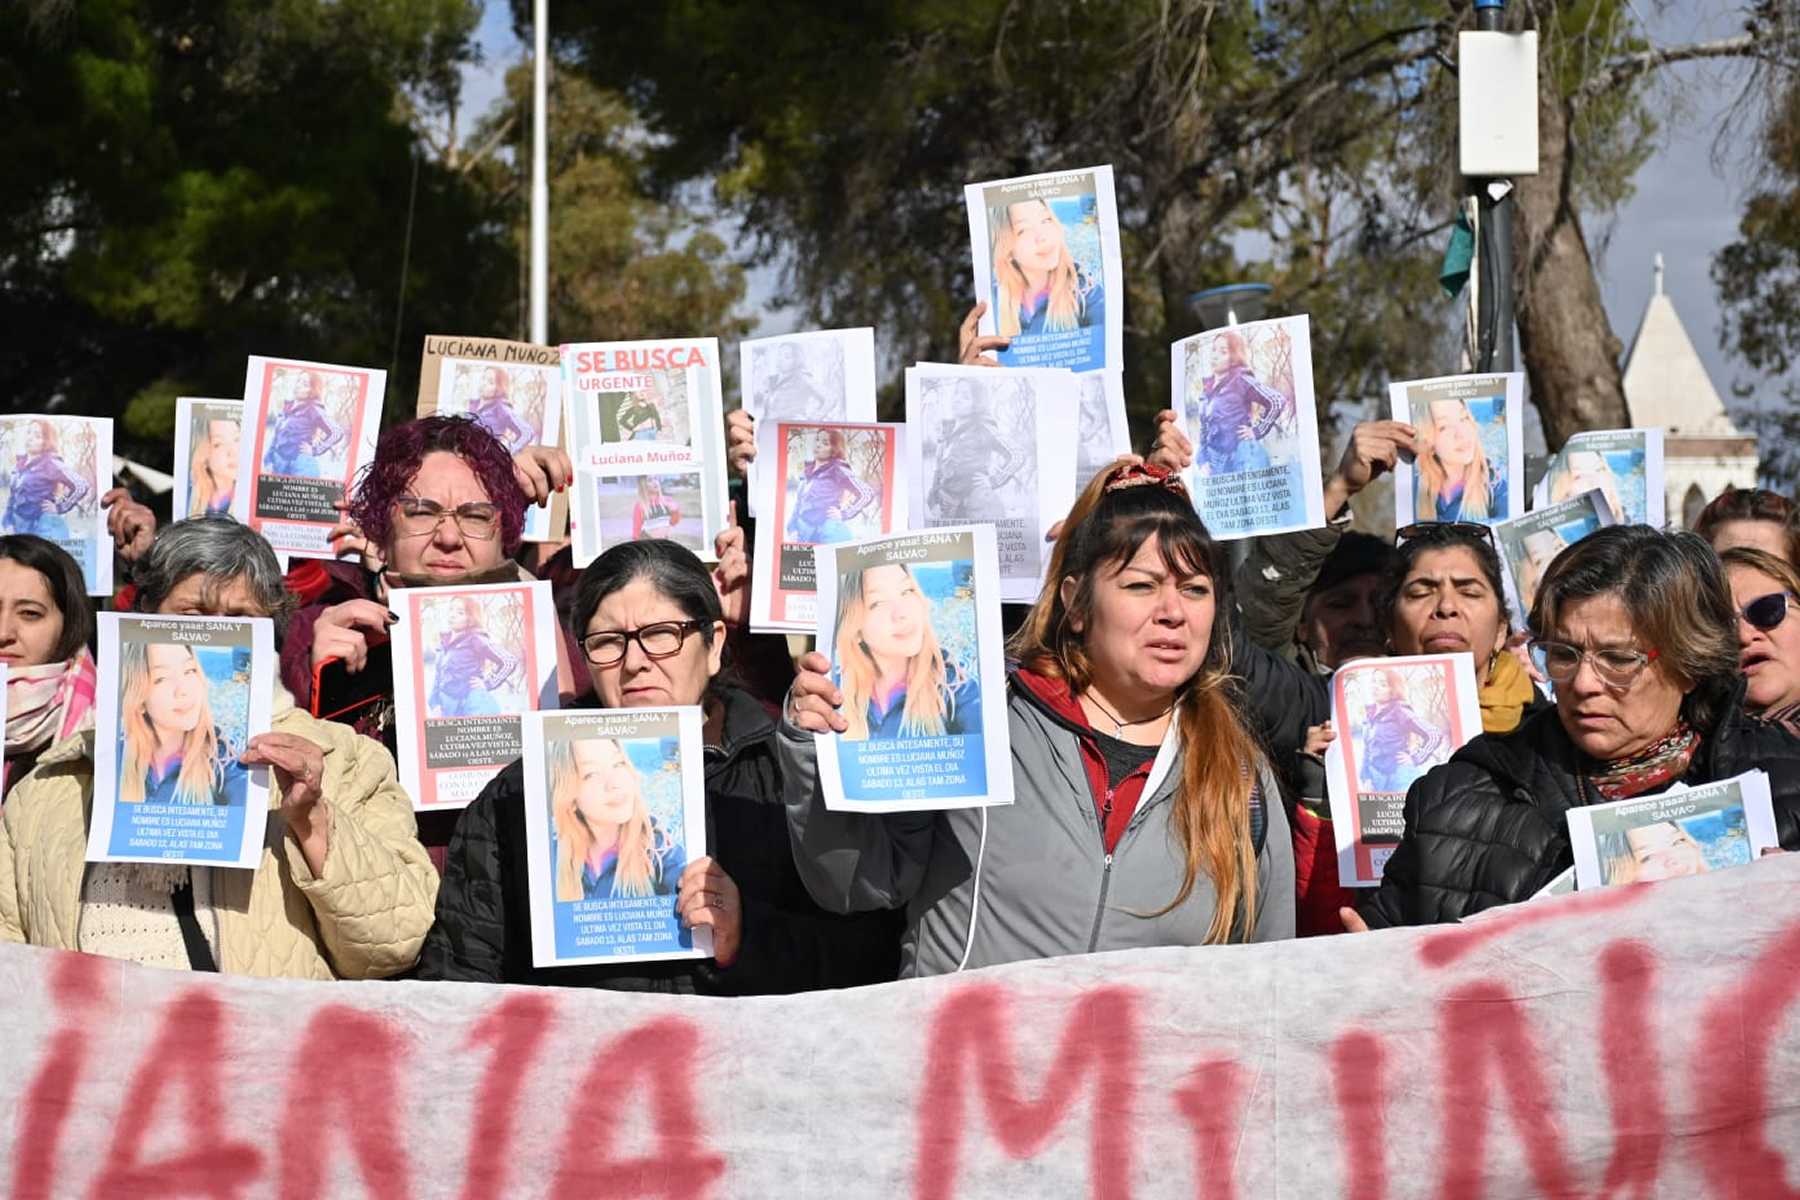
x,y
1053,698
743,722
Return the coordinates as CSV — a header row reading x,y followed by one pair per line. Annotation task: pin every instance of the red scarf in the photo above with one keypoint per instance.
x,y
1657,765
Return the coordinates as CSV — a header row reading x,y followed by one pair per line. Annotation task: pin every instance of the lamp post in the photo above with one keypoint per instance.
x,y
540,178
1232,304
1494,327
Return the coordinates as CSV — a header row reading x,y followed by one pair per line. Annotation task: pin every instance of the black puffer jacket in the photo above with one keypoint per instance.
x,y
1488,827
790,944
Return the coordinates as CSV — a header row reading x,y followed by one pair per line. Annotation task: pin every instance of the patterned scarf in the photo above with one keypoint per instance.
x,y
45,704
1657,765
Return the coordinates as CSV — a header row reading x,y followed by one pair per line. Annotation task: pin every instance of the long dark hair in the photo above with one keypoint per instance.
x,y
68,590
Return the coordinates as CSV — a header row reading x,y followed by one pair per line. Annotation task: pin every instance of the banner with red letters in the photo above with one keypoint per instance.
x,y
1636,1042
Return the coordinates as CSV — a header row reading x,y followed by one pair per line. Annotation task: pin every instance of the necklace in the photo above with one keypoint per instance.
x,y
1121,726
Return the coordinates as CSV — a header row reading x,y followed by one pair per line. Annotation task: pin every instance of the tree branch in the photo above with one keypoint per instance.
x,y
1624,70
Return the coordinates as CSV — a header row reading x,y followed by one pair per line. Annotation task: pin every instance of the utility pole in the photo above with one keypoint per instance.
x,y
540,177
1494,333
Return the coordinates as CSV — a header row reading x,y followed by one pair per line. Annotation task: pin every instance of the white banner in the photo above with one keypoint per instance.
x,y
1632,1042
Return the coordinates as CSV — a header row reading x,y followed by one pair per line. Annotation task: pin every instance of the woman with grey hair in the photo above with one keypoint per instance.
x,y
1637,630
343,890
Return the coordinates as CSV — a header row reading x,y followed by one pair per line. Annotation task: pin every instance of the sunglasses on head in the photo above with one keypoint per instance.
x,y
1441,531
1766,612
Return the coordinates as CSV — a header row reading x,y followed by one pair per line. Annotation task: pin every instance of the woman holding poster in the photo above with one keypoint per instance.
x,y
172,752
1042,288
214,470
1133,769
41,489
607,843
894,677
1457,482
829,494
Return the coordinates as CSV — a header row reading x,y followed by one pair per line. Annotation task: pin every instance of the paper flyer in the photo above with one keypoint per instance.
x,y
1470,459
615,809
1246,395
1683,831
314,427
476,660
1101,432
646,438
826,483
1625,464
825,375
53,471
176,702
1046,256
1529,544
911,624
208,447
511,389
1396,718
993,446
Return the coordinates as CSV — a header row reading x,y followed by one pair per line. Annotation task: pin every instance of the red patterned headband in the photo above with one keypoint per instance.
x,y
1139,474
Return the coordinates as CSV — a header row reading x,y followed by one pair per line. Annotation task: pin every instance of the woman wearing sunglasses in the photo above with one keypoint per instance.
x,y
652,632
1765,590
1635,629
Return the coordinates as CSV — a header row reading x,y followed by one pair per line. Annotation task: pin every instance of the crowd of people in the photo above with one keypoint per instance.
x,y
1169,717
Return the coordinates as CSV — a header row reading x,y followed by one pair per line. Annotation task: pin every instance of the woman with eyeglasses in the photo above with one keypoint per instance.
x,y
652,633
1635,628
1765,590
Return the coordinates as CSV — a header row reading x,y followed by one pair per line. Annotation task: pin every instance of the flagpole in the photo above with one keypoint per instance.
x,y
540,185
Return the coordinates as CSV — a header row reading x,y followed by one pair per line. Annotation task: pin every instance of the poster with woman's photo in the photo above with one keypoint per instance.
x,y
1395,718
1101,431
1468,462
176,702
615,809
1683,831
1046,254
826,483
644,409
911,624
208,444
993,446
313,428
823,375
479,658
1246,395
511,389
1625,464
53,471
1529,544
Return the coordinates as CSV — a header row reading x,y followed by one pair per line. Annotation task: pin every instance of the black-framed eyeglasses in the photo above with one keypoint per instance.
x,y
1766,612
478,520
660,640
1615,667
1443,531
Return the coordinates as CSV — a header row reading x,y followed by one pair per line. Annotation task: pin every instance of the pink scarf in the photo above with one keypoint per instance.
x,y
47,703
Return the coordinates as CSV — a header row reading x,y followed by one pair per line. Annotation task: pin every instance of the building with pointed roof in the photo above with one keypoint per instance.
x,y
1666,385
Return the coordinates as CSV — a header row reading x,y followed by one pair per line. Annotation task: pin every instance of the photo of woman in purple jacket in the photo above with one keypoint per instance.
x,y
41,488
467,668
1397,745
1235,411
829,494
493,410
303,432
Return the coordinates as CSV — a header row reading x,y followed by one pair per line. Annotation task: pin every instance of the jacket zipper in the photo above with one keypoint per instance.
x,y
1105,871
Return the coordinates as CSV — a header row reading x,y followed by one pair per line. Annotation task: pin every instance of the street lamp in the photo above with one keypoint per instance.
x,y
1232,304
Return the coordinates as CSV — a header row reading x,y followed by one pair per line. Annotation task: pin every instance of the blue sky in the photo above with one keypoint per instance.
x,y
1685,206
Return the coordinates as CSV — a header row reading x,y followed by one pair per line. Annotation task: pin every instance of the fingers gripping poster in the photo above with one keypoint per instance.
x,y
480,659
53,471
1245,393
208,445
647,442
313,428
993,446
912,627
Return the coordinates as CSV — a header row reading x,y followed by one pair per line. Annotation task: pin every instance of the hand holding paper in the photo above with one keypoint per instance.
x,y
813,700
299,768
541,472
708,898
1171,450
732,576
131,525
972,345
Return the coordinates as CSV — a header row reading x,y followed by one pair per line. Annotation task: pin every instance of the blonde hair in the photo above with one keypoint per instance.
x,y
637,837
201,772
1477,477
927,677
1564,487
205,486
1221,759
1065,305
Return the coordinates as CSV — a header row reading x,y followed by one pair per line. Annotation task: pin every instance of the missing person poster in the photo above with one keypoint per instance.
x,y
177,700
911,624
826,483
1468,463
647,441
1529,544
1101,432
825,375
1683,831
993,446
313,428
1246,395
1626,465
511,389
1046,254
53,471
208,445
478,659
615,809
1396,718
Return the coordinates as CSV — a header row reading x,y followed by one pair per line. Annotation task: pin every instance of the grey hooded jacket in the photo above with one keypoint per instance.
x,y
1028,880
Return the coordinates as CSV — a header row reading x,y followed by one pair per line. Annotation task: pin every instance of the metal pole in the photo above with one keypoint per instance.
x,y
540,179
1494,343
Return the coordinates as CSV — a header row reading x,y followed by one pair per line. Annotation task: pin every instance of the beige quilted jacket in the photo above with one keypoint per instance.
x,y
364,918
